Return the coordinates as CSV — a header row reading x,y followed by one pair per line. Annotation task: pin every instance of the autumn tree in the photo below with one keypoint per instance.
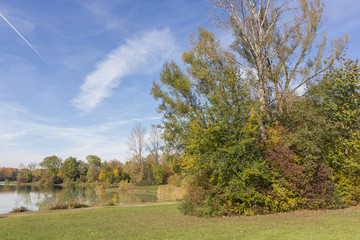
x,y
277,47
157,173
111,171
144,166
137,142
337,99
52,164
211,122
231,119
94,167
25,175
154,143
83,170
71,168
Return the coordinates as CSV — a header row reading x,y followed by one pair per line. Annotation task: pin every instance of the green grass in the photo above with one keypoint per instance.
x,y
166,222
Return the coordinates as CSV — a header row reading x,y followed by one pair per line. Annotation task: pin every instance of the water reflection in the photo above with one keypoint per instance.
x,y
39,198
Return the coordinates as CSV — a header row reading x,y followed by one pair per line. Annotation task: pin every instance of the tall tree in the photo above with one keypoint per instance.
x,y
154,143
71,168
211,122
275,45
137,142
83,170
52,164
94,167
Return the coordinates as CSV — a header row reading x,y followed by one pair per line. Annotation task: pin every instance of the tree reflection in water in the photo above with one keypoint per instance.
x,y
40,197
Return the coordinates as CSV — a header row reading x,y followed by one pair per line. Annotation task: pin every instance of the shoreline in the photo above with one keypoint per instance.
x,y
41,212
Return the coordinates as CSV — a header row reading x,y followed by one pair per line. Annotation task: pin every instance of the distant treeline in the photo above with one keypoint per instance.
x,y
52,170
147,165
8,174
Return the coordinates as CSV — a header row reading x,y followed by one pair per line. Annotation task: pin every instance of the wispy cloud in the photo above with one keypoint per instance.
x,y
145,54
25,139
103,12
23,38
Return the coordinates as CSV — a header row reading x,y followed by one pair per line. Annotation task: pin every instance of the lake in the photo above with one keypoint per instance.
x,y
39,198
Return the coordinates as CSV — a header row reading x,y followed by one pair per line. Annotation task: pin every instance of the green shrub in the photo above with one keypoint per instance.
x,y
59,205
78,205
19,209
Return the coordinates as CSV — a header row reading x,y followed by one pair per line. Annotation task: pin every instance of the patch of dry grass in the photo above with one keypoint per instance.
x,y
170,192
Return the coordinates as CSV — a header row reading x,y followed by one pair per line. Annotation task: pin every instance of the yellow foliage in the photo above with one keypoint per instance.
x,y
116,173
252,123
274,136
101,175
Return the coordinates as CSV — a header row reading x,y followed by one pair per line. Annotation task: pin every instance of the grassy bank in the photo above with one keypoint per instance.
x,y
166,222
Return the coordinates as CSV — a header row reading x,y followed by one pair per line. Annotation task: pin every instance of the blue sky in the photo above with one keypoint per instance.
x,y
79,76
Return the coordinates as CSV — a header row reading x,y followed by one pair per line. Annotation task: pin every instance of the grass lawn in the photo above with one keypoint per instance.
x,y
166,222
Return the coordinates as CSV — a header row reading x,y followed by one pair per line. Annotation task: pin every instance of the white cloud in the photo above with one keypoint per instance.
x,y
145,54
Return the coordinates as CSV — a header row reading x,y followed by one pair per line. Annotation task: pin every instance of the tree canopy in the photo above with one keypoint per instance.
x,y
246,142
277,47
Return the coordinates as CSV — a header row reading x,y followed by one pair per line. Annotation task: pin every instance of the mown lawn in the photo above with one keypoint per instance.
x,y
166,222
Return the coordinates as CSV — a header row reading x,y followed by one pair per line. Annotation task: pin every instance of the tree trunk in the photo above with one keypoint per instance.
x,y
262,122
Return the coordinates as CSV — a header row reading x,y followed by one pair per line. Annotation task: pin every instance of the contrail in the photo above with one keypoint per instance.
x,y
29,44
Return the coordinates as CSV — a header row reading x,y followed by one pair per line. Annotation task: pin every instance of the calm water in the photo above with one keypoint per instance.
x,y
35,198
